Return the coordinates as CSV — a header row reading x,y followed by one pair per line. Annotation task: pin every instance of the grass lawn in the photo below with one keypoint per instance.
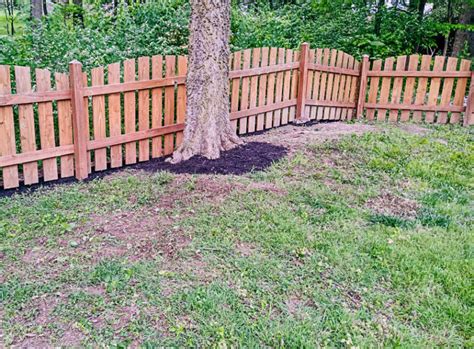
x,y
361,240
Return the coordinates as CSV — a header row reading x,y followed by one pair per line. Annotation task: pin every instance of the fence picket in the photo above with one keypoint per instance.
x,y
244,102
385,89
169,104
460,92
262,89
46,124
7,131
98,118
27,124
397,88
279,89
310,81
115,115
253,89
330,84
294,86
421,89
235,98
347,90
144,108
65,126
181,98
342,85
286,88
337,80
409,87
157,106
316,80
130,112
434,88
353,91
447,90
271,89
374,89
322,86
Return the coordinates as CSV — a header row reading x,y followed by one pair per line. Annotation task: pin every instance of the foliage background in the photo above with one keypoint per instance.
x,y
106,34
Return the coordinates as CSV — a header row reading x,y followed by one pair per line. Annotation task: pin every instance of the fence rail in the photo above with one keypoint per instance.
x,y
63,125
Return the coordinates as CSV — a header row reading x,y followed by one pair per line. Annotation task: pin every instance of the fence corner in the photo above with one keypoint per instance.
x,y
79,120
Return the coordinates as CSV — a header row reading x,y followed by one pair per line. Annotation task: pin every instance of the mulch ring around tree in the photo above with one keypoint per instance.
x,y
249,157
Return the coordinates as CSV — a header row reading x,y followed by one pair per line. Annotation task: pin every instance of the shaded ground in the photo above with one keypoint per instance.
x,y
356,238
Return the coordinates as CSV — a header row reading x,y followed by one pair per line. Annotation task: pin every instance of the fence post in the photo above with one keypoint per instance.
x,y
302,84
79,120
470,103
362,86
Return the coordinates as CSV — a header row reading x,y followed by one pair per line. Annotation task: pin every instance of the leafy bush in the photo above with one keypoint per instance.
x,y
106,35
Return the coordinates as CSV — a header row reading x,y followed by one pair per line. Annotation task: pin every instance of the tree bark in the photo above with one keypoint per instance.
x,y
208,129
36,9
461,36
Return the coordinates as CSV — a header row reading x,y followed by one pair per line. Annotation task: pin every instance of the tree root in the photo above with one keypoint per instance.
x,y
210,151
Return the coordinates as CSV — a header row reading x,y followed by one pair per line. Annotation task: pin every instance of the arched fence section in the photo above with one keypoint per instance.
x,y
62,125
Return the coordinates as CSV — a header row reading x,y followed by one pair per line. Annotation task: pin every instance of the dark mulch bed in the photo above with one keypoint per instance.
x,y
250,157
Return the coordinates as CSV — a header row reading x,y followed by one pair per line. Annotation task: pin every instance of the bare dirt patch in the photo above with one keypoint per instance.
x,y
389,204
415,129
297,138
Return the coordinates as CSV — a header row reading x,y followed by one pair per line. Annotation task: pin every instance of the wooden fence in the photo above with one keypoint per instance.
x,y
121,114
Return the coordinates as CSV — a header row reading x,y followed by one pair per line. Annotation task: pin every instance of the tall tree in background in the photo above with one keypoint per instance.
x,y
208,130
461,36
36,9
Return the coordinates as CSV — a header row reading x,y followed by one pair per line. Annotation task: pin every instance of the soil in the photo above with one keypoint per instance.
x,y
389,204
249,157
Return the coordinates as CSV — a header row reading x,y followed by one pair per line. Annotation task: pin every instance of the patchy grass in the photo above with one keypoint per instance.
x,y
365,241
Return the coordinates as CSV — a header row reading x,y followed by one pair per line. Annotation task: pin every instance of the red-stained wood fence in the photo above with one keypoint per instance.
x,y
64,125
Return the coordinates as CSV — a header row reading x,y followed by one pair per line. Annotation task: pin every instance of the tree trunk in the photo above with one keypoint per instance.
x,y
36,9
208,130
461,36
378,17
78,14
